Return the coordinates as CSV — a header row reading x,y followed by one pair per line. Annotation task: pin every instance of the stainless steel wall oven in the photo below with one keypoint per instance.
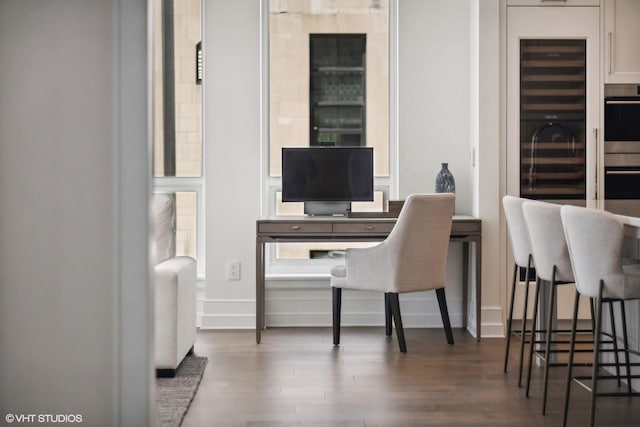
x,y
622,149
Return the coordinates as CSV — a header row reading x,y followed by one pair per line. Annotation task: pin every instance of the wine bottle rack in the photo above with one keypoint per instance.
x,y
552,119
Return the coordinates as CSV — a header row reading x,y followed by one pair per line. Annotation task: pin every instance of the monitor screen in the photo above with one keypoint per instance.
x,y
327,174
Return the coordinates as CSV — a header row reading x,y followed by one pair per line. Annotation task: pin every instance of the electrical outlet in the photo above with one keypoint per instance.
x,y
233,270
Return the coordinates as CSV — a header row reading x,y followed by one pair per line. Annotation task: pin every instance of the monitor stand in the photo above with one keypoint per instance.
x,y
327,208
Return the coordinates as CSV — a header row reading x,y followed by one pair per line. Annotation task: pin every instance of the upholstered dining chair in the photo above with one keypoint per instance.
x,y
412,258
553,268
595,240
522,258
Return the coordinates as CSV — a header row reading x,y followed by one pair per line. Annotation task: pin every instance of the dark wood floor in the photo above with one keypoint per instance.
x,y
296,377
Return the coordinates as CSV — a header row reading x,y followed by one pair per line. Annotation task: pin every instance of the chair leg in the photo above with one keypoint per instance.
x,y
547,351
387,315
394,303
444,313
336,296
596,356
510,318
614,337
572,346
532,340
523,333
625,337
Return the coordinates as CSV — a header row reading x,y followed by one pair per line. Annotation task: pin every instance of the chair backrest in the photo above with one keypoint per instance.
x,y
518,232
419,242
548,243
162,228
595,242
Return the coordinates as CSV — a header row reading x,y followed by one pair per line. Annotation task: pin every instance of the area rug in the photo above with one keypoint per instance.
x,y
174,395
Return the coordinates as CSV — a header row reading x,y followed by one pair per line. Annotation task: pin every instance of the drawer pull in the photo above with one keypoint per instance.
x,y
295,227
369,227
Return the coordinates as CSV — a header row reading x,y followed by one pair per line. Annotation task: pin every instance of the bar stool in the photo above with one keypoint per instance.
x,y
521,248
594,240
553,267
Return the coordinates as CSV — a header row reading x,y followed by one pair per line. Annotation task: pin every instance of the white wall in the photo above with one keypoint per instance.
x,y
232,145
434,82
439,99
74,186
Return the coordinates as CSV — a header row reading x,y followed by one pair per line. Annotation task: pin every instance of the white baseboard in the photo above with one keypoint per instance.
x,y
228,314
492,326
309,308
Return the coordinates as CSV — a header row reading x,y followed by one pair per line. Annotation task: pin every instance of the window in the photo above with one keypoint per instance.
x,y
177,146
327,81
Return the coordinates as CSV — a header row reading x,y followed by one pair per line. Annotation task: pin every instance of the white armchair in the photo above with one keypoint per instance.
x,y
175,290
412,258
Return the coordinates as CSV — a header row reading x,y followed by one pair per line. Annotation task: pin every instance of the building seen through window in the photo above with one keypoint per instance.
x,y
328,69
329,76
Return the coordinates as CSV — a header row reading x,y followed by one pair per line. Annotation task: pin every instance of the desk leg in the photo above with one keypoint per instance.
x,y
478,288
259,289
465,283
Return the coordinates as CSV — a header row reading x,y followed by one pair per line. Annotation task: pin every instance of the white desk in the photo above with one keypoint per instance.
x,y
464,228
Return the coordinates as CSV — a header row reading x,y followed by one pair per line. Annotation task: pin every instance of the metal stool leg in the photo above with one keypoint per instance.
x,y
572,346
532,340
614,338
547,351
523,334
510,318
596,356
625,337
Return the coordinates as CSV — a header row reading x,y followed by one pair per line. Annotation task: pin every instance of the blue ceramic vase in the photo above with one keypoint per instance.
x,y
445,183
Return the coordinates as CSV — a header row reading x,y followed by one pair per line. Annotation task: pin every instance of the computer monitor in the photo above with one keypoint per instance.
x,y
327,179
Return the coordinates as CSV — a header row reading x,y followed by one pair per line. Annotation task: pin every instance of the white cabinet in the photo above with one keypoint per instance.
x,y
622,40
553,2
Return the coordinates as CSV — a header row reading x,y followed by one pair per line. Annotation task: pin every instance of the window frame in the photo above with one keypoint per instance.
x,y
180,183
270,185
172,184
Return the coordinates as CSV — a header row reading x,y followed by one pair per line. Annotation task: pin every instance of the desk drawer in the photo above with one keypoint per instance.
x,y
294,227
363,227
464,227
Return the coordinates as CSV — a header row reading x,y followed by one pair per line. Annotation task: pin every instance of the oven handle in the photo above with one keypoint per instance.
x,y
628,102
634,172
